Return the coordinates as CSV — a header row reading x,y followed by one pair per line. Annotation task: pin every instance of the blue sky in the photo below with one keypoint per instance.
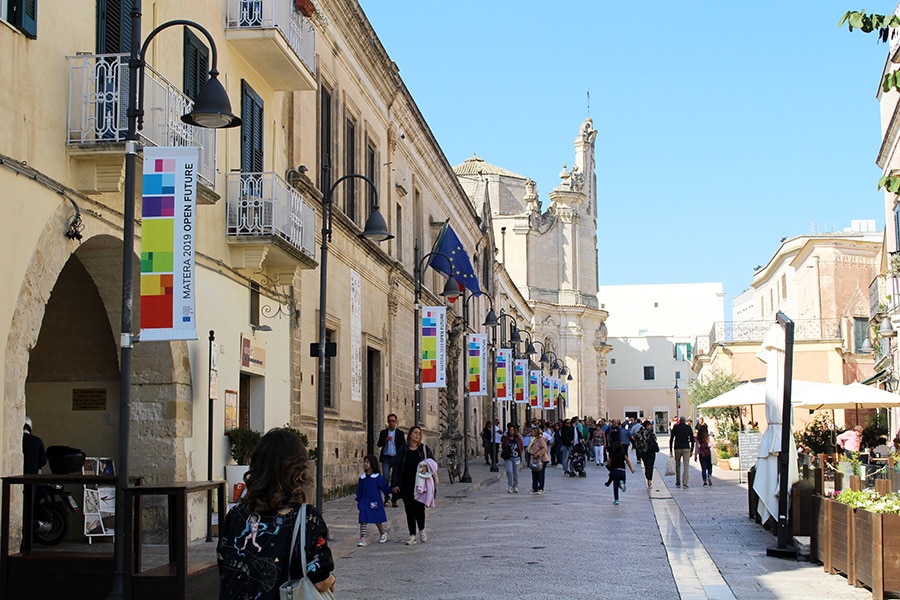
x,y
722,126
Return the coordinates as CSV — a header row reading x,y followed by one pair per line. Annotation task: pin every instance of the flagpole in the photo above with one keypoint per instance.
x,y
451,291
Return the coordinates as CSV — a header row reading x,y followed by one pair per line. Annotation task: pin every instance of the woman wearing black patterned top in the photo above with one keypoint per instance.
x,y
255,540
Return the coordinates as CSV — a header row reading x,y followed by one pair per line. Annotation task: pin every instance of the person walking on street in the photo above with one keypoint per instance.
x,y
403,482
511,450
703,454
368,499
566,440
390,440
538,449
498,433
486,442
681,446
646,446
618,458
598,441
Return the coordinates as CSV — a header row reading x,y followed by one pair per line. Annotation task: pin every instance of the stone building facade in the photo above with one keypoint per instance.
x,y
319,99
551,256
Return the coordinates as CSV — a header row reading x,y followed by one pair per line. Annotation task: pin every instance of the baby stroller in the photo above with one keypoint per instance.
x,y
577,459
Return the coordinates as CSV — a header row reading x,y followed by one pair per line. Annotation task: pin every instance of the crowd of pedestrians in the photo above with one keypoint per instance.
x,y
405,470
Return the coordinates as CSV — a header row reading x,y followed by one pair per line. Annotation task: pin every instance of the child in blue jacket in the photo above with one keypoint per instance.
x,y
369,491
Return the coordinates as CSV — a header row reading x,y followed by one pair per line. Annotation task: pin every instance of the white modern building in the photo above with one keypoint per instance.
x,y
652,331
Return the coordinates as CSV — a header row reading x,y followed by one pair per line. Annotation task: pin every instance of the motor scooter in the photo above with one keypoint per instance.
x,y
52,502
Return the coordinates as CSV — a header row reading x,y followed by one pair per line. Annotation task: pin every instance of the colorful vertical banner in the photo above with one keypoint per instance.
x,y
168,211
520,372
534,389
564,394
476,364
554,392
433,329
502,371
547,386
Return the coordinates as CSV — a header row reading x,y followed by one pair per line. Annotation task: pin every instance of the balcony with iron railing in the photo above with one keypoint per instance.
x,y
276,40
270,222
755,331
98,121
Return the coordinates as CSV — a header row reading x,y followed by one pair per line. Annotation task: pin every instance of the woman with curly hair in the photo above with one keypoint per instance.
x,y
265,515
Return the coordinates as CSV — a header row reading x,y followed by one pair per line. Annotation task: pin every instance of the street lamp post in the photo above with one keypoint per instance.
x,y
451,290
514,340
488,322
375,230
211,110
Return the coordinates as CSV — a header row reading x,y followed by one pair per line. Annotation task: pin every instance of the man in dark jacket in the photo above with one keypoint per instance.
x,y
681,446
32,450
390,440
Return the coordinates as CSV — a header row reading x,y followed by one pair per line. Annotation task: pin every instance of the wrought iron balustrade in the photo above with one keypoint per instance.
x,y
297,30
262,205
98,102
755,331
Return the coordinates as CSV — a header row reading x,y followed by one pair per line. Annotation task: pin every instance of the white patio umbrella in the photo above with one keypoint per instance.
x,y
854,395
754,392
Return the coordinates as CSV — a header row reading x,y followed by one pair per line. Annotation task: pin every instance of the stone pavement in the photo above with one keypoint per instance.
x,y
572,542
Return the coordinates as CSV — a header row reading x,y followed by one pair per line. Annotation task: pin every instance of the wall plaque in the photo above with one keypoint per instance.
x,y
89,399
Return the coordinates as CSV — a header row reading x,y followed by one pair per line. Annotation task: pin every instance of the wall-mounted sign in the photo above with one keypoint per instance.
x,y
253,356
89,399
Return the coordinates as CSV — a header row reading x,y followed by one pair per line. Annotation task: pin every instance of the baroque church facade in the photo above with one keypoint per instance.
x,y
551,256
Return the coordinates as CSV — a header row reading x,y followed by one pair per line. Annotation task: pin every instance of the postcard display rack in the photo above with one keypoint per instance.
x,y
99,500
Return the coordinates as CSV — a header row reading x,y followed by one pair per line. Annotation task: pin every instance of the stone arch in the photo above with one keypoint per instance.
x,y
161,376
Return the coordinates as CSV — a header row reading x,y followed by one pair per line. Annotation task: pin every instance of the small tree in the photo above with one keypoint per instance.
x,y
727,418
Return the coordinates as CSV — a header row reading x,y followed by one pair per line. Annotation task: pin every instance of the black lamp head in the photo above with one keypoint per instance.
x,y
212,109
376,228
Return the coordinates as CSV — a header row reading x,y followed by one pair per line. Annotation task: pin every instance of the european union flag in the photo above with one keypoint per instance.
x,y
450,259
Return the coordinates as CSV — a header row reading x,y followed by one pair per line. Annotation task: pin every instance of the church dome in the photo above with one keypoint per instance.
x,y
475,165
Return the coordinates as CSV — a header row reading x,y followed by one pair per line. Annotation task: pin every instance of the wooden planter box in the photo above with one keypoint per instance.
x,y
877,552
862,545
820,536
842,540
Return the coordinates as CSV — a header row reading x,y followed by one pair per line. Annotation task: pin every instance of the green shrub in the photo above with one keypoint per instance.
x,y
818,435
243,440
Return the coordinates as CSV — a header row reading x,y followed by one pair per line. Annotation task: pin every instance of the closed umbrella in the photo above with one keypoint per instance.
x,y
766,483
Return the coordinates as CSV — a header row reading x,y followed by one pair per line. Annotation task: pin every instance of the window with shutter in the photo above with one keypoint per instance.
x,y
371,173
23,16
196,64
350,168
325,138
251,130
114,26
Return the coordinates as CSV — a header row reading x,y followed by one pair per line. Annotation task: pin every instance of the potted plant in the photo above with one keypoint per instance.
x,y
724,455
241,441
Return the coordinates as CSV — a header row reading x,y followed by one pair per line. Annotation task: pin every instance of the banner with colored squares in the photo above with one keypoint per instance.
x,y
520,370
433,328
547,390
534,388
554,392
564,394
168,209
502,372
476,364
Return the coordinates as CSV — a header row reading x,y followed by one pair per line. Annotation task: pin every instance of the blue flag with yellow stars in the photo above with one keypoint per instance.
x,y
450,259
